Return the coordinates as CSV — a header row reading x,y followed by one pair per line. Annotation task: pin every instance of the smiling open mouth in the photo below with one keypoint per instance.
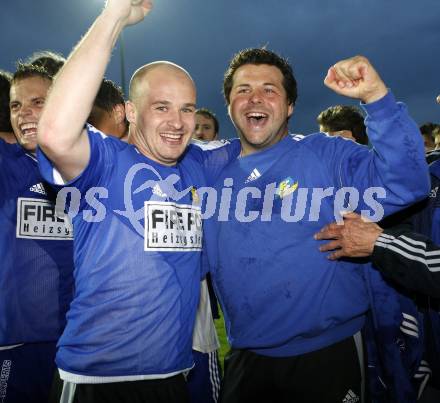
x,y
172,137
256,118
28,129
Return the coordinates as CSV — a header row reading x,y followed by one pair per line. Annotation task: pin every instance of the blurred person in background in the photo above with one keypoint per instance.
x,y
6,132
207,126
431,135
428,137
345,121
108,111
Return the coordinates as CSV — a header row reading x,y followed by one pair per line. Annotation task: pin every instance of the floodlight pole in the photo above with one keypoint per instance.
x,y
122,60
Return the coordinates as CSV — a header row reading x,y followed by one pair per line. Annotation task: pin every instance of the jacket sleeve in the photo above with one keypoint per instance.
x,y
389,176
410,259
396,162
399,151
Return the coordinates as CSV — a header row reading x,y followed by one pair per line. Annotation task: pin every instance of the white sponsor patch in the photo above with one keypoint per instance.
x,y
36,219
172,227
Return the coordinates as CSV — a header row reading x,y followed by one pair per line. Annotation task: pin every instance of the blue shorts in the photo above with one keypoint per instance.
x,y
204,379
26,373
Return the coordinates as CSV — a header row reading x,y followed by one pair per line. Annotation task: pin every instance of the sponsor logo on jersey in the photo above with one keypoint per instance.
x,y
38,188
351,397
172,227
286,187
255,174
36,219
159,192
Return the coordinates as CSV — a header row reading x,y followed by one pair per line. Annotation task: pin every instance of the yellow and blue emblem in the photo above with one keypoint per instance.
x,y
286,187
195,198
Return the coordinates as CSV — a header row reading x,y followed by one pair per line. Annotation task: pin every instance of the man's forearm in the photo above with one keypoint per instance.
x,y
77,84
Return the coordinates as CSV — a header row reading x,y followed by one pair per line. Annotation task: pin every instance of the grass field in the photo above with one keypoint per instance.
x,y
224,346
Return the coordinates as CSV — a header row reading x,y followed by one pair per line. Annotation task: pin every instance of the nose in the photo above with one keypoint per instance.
x,y
25,110
175,120
198,130
256,97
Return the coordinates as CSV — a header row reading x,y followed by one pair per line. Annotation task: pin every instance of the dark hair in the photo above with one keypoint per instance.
x,y
5,86
29,70
108,96
343,117
428,128
210,115
50,61
261,56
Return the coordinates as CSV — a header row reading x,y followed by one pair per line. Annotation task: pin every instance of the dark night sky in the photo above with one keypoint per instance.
x,y
400,37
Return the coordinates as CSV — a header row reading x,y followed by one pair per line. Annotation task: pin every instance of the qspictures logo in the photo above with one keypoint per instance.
x,y
4,377
168,223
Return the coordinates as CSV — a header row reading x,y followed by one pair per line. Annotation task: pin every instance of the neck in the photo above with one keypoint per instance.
x,y
248,148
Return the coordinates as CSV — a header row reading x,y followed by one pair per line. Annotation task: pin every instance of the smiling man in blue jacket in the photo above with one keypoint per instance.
x,y
293,317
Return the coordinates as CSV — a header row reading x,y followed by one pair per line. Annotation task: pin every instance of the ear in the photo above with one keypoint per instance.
x,y
119,113
130,112
290,110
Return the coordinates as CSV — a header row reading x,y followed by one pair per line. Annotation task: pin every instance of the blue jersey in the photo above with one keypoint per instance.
x,y
138,240
280,295
36,280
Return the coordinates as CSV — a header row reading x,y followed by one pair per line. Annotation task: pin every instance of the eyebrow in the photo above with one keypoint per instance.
x,y
248,85
169,103
190,104
32,99
161,103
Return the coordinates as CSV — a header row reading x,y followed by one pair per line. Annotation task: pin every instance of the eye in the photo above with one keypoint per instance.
x,y
242,90
39,102
14,106
188,110
269,90
161,108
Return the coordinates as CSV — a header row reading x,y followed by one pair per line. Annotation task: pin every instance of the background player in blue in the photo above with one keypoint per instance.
x,y
291,315
36,282
137,252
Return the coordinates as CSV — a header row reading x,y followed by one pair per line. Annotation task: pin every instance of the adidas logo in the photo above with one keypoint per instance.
x,y
38,188
255,174
350,397
158,191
